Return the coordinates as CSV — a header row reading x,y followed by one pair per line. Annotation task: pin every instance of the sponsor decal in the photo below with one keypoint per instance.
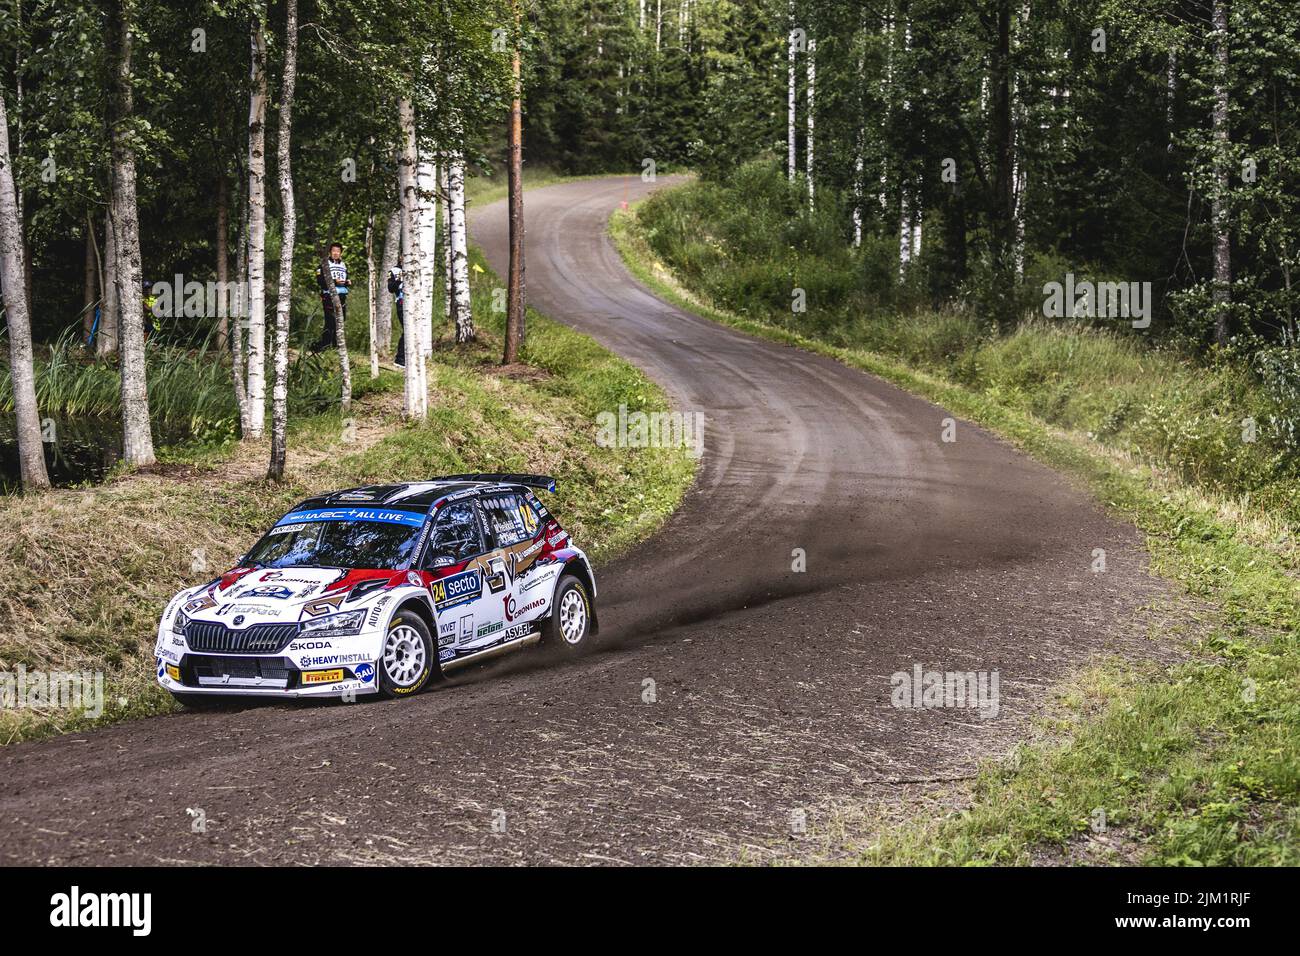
x,y
409,518
198,604
487,629
174,672
168,655
466,627
322,677
513,612
325,605
541,577
378,609
446,654
456,589
311,646
269,591
556,540
518,631
528,516
331,659
364,672
258,610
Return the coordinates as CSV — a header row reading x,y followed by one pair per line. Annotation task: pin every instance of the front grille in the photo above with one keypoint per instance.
x,y
216,638
274,672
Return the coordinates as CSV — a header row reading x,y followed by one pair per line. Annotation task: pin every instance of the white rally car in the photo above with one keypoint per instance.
x,y
376,589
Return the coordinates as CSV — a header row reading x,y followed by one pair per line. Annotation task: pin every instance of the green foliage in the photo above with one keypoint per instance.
x,y
746,244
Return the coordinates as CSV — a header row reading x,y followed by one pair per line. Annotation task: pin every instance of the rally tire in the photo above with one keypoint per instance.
x,y
407,657
567,629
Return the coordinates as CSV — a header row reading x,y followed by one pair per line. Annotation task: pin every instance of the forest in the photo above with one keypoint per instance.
x,y
913,159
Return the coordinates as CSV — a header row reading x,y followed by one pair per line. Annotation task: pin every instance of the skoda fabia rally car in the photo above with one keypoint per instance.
x,y
378,589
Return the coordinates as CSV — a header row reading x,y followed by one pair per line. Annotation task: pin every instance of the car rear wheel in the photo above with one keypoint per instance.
x,y
568,628
406,659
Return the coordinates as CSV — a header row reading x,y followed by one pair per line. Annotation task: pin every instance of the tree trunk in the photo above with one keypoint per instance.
x,y
31,452
288,232
812,91
515,294
371,295
460,250
106,338
238,327
392,260
1003,147
426,190
416,392
89,285
137,439
444,207
257,230
791,162
1219,207
223,254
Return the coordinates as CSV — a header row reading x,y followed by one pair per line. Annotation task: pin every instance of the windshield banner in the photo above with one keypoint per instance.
x,y
411,518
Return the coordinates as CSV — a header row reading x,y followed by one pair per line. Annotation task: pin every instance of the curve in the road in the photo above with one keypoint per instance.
x,y
742,690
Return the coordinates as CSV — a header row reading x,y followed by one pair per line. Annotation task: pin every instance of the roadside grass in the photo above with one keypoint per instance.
x,y
1195,764
88,571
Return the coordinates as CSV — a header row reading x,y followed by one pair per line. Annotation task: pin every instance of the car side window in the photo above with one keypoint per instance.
x,y
505,518
455,535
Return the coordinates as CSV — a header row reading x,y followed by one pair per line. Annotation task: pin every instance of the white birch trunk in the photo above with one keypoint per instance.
x,y
416,394
372,294
427,185
459,248
256,355
392,260
812,121
289,231
791,161
22,375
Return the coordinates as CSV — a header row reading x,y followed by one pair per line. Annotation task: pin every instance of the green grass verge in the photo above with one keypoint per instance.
x,y
1194,764
88,571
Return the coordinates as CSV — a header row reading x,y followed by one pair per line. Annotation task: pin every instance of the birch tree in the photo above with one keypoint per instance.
x,y
459,246
137,439
31,451
288,230
256,354
391,260
1219,206
416,390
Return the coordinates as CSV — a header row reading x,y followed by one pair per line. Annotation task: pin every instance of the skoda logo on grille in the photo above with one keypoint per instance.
x,y
239,619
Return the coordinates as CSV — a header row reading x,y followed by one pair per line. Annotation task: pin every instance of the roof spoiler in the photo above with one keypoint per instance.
x,y
545,482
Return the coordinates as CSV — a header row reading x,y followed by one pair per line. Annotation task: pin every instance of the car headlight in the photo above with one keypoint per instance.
x,y
179,622
336,624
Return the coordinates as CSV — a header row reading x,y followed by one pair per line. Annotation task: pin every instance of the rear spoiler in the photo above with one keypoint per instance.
x,y
545,482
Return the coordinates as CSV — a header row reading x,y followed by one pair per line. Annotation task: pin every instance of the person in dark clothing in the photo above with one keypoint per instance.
x,y
339,272
397,288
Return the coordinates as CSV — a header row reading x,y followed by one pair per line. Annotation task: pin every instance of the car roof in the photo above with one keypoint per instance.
x,y
406,496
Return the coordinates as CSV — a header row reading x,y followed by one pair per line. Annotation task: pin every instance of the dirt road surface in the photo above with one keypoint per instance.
x,y
736,696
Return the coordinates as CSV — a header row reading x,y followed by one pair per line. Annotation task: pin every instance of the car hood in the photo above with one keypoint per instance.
x,y
243,598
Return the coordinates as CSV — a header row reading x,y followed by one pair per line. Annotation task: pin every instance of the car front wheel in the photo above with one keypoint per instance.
x,y
568,628
406,659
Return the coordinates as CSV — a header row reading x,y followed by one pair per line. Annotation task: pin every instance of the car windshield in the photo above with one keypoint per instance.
x,y
336,544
